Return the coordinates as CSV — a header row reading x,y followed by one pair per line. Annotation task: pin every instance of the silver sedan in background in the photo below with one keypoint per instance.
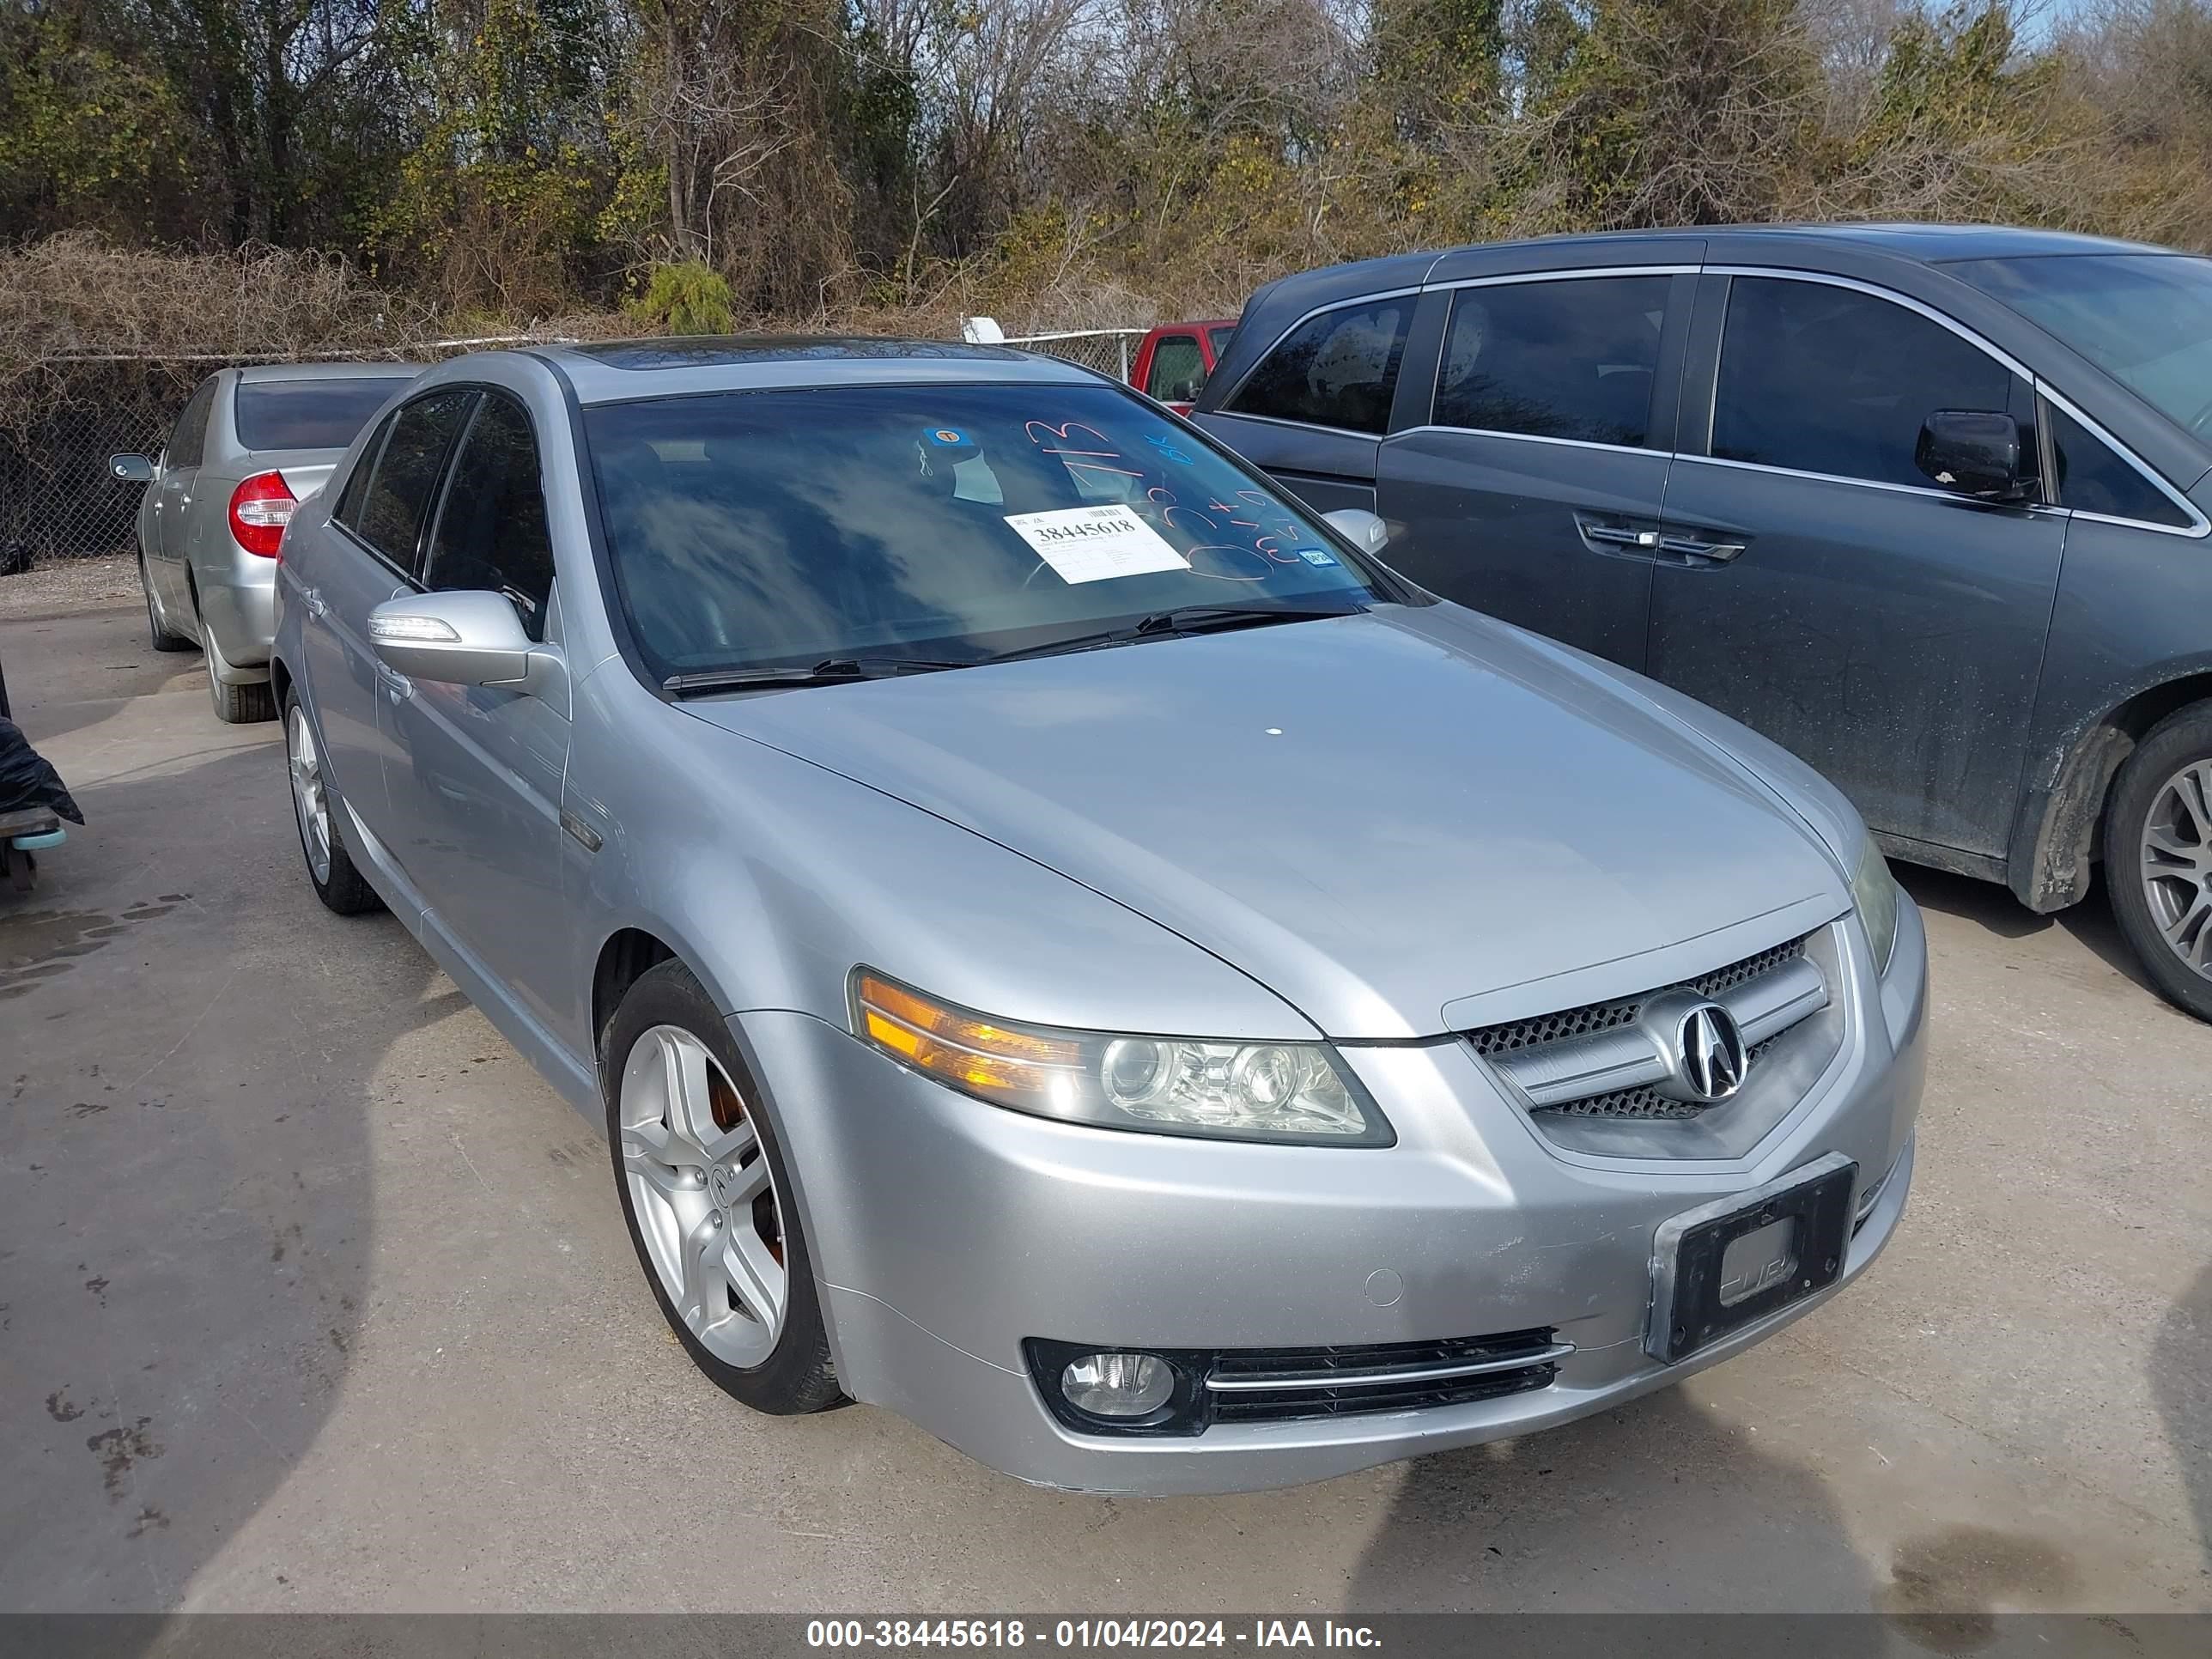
x,y
248,447
1068,945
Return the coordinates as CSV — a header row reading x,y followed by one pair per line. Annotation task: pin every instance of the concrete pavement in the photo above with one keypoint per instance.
x,y
313,1297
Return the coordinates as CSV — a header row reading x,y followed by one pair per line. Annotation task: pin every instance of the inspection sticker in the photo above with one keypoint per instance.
x,y
1091,544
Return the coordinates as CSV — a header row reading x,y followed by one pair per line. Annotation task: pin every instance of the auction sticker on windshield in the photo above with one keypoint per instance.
x,y
1091,544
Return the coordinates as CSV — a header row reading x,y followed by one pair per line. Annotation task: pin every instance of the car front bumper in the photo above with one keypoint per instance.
x,y
944,1232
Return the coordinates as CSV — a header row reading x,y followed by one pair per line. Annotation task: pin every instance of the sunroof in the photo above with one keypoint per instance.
x,y
708,351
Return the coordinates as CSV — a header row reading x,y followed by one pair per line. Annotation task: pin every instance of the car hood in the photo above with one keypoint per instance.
x,y
1404,823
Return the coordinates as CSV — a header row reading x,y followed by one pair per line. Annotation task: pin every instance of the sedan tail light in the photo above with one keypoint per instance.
x,y
260,507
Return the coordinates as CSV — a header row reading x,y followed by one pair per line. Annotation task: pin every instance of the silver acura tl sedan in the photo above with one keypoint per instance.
x,y
247,447
1069,946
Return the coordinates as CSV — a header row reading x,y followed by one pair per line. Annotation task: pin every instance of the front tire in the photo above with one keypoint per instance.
x,y
331,870
707,1197
2158,856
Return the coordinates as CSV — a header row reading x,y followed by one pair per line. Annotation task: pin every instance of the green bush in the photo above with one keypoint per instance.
x,y
689,298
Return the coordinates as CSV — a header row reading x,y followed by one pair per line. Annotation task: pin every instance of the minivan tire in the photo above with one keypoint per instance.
x,y
795,1374
2175,756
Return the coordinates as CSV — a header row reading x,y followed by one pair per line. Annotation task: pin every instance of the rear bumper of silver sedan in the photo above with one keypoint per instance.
x,y
238,605
952,1241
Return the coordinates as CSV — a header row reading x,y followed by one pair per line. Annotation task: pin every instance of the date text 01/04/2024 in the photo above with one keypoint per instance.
x,y
1084,1633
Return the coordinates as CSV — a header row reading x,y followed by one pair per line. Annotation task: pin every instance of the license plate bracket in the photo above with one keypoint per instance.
x,y
1699,1295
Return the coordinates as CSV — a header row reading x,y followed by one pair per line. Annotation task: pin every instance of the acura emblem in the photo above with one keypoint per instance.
x,y
1712,1059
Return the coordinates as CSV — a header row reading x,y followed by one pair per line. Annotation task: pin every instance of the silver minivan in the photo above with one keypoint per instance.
x,y
247,448
1067,944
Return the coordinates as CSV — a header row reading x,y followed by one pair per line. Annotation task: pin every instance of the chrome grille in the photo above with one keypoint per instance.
x,y
1646,1102
1604,1016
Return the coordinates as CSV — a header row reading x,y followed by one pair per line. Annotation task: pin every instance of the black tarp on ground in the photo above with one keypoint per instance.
x,y
27,781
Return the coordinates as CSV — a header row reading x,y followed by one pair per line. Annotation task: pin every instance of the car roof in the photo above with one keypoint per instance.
x,y
616,371
1925,244
260,373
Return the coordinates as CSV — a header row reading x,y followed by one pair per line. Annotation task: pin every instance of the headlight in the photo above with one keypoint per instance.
x,y
1298,1092
1873,890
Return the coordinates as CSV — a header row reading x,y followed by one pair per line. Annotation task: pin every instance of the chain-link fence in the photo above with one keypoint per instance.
x,y
1108,351
60,421
59,425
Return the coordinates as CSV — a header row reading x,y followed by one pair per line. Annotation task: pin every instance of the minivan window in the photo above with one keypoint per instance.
x,y
1338,370
2144,319
307,414
1822,379
2092,478
407,472
491,531
1569,359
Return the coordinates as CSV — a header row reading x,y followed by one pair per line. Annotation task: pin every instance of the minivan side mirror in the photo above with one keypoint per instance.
x,y
1973,451
1363,529
130,469
461,638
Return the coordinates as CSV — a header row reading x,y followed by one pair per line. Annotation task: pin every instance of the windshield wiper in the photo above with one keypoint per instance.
x,y
830,671
1183,619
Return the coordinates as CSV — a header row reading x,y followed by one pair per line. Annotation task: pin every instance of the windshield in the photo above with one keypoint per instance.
x,y
953,522
308,413
2145,319
1218,338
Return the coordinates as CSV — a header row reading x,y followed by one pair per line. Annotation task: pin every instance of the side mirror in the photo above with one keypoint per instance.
x,y
1184,391
1360,527
461,638
1972,451
130,469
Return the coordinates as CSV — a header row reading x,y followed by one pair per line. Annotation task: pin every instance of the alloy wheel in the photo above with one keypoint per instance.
x,y
2177,864
310,800
704,1196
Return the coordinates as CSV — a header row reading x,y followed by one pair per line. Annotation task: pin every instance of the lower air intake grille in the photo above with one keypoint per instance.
x,y
1604,1016
1281,1385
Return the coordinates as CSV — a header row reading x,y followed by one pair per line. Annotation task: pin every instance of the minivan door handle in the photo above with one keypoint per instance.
x,y
1607,535
1690,550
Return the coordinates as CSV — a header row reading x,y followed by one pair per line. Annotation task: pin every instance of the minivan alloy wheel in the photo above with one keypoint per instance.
x,y
2177,864
309,798
704,1196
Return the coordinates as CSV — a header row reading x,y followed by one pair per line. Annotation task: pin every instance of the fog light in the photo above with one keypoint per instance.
x,y
1118,1385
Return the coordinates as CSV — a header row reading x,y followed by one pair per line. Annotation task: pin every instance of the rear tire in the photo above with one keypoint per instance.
x,y
2158,856
234,705
707,1198
163,638
316,811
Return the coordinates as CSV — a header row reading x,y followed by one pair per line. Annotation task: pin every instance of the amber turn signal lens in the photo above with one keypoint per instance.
x,y
995,1061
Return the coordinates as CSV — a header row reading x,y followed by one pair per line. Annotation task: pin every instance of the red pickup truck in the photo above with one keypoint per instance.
x,y
1173,361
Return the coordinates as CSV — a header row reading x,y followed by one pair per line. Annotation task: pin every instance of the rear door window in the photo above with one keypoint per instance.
x,y
188,439
1822,379
307,414
491,531
1569,359
1338,370
1178,370
406,476
2093,477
